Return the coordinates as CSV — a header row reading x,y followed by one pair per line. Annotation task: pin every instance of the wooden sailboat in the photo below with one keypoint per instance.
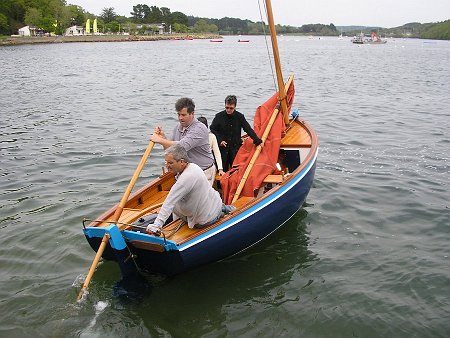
x,y
265,199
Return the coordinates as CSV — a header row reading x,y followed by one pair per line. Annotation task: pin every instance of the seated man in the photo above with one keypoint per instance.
x,y
191,198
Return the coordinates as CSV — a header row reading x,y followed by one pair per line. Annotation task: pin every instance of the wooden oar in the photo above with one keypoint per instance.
x,y
116,217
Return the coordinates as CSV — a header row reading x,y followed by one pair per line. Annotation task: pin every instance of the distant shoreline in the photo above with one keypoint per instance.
x,y
16,40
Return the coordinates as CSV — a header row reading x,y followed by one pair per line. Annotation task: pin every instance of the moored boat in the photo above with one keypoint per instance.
x,y
373,39
216,40
267,186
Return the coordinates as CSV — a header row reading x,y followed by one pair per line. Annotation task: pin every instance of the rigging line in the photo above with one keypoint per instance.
x,y
267,46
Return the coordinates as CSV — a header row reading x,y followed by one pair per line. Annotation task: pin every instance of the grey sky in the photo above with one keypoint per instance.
x,y
384,13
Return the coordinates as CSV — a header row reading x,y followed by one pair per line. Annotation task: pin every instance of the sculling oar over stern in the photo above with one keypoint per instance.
x,y
113,231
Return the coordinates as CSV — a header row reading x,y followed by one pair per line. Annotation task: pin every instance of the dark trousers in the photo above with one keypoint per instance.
x,y
228,154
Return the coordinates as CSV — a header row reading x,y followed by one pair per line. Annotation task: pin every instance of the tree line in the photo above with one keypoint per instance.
x,y
55,16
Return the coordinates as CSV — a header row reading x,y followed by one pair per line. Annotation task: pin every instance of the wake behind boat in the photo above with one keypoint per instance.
x,y
267,185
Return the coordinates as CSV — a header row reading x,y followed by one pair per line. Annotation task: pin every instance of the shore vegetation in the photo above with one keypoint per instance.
x,y
53,17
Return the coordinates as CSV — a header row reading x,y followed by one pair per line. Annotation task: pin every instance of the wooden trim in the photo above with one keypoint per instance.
x,y
148,246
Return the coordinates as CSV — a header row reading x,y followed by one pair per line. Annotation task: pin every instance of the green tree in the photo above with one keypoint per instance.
x,y
14,10
202,26
130,27
166,16
77,15
47,24
139,12
108,14
154,16
255,28
439,30
113,26
231,25
180,28
4,25
180,18
33,17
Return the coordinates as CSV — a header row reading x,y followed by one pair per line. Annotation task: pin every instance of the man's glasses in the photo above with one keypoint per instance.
x,y
229,108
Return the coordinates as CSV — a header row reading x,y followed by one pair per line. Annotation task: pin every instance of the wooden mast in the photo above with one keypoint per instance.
x,y
281,98
276,56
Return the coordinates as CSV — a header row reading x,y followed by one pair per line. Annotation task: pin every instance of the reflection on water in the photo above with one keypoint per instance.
x,y
367,256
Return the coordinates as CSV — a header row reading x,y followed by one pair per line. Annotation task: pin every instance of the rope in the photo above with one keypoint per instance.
x,y
267,46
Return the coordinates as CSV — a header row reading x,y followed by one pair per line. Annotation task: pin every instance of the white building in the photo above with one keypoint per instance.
x,y
152,28
74,31
27,31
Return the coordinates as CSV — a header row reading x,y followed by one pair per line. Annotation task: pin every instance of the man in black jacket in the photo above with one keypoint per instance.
x,y
227,127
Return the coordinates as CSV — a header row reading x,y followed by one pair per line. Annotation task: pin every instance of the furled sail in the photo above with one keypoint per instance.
x,y
265,164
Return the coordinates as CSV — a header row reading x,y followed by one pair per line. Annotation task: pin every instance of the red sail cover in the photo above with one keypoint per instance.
x,y
267,160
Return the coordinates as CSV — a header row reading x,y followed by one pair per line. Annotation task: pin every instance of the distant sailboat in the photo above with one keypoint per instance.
x,y
374,39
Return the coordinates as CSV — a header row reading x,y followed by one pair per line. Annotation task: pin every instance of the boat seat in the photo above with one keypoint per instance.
x,y
241,201
277,179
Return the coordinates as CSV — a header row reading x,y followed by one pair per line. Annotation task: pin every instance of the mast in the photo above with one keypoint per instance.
x,y
276,57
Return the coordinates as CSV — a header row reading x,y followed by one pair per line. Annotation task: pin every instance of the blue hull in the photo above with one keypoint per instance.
x,y
234,235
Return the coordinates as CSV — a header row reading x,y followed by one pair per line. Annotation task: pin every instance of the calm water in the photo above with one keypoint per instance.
x,y
368,255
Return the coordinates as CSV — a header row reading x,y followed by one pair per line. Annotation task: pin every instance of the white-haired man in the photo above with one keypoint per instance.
x,y
191,198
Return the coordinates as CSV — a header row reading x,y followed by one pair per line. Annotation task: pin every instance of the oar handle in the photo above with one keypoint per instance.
x,y
132,183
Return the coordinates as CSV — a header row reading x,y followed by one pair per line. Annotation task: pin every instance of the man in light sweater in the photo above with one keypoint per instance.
x,y
191,198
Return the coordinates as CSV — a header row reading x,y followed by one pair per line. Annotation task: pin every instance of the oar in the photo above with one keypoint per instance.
x,y
116,217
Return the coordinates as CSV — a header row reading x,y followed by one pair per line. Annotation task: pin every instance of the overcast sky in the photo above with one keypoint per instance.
x,y
383,13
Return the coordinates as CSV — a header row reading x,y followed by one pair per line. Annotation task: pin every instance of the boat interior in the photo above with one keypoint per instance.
x,y
295,147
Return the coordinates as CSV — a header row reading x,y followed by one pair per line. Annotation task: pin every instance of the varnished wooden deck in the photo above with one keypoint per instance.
x,y
297,136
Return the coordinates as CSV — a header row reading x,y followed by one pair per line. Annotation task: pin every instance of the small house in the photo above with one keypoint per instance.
x,y
74,31
27,31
